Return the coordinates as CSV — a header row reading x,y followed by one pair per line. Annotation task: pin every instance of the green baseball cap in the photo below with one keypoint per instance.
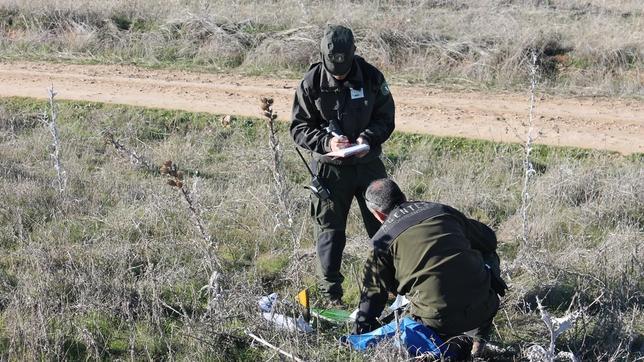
x,y
337,49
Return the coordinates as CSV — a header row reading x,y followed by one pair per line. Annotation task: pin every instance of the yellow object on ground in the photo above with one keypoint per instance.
x,y
303,298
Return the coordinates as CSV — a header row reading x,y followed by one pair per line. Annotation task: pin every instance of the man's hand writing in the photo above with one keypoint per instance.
x,y
339,142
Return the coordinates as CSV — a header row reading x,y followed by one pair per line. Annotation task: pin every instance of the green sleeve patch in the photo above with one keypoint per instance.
x,y
384,88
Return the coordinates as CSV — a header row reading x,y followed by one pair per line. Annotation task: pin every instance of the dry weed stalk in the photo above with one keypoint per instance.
x,y
176,180
529,170
49,120
402,353
273,347
214,283
283,189
134,158
283,192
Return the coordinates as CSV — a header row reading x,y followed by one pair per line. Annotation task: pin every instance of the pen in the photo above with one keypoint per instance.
x,y
333,133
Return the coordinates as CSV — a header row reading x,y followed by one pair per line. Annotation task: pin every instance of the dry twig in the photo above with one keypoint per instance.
x,y
50,120
267,344
281,184
529,170
214,282
134,158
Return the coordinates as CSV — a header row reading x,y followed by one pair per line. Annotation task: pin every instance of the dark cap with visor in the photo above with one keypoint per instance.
x,y
337,49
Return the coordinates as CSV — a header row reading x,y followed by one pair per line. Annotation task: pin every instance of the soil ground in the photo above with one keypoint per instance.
x,y
601,123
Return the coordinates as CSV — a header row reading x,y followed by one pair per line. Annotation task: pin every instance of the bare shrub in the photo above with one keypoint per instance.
x,y
290,49
586,48
205,40
49,120
556,327
12,125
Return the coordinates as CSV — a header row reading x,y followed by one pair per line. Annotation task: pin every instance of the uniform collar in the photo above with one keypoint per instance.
x,y
403,217
354,79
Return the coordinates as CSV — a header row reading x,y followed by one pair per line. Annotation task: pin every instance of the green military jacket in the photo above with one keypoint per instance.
x,y
432,254
361,105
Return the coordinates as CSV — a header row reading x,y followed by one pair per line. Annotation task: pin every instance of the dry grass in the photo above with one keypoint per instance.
x,y
115,268
585,47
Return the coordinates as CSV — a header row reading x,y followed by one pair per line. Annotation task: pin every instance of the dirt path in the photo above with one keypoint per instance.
x,y
611,124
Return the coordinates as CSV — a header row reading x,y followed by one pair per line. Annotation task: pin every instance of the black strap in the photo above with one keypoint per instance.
x,y
402,218
314,166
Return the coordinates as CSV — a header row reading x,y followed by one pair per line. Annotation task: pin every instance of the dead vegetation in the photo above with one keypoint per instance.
x,y
123,272
583,47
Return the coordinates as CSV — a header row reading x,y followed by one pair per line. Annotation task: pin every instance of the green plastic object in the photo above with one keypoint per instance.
x,y
332,315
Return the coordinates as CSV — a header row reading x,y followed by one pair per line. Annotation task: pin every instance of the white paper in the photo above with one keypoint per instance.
x,y
354,314
266,303
400,301
349,151
280,321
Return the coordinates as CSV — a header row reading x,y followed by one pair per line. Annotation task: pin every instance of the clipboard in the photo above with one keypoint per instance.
x,y
349,151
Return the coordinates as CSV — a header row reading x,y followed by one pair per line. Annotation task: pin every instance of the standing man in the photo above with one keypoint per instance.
x,y
342,101
443,262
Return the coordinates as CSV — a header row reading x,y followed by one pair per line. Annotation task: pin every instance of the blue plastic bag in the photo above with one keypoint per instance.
x,y
416,337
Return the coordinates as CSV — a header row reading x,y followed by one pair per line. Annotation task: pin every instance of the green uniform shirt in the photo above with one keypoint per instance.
x,y
361,105
431,253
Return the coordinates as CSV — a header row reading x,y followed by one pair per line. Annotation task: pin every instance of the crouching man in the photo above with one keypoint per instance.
x,y
442,261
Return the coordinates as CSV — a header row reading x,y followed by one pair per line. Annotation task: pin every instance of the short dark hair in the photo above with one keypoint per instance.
x,y
384,195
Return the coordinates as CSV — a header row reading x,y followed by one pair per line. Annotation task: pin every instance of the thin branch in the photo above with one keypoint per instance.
x,y
267,344
134,158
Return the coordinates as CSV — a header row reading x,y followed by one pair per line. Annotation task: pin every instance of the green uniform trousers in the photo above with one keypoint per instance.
x,y
344,183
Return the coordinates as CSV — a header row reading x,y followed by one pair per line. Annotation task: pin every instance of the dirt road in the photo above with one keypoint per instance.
x,y
611,124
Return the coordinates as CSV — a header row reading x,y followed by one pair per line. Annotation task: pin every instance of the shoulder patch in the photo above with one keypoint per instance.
x,y
384,88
